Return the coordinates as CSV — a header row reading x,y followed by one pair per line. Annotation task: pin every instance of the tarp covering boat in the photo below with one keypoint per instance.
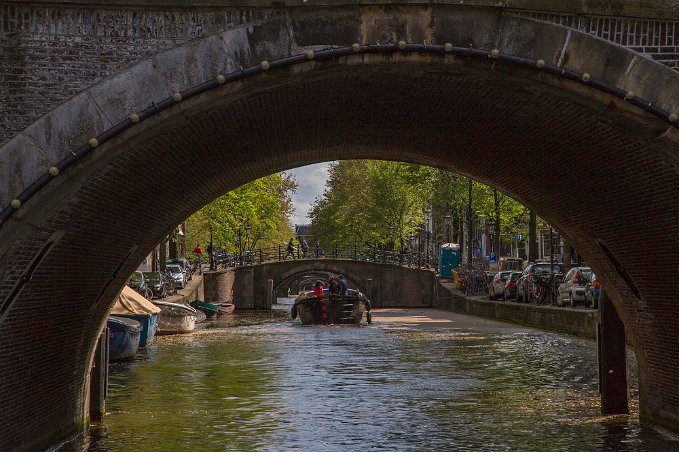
x,y
131,303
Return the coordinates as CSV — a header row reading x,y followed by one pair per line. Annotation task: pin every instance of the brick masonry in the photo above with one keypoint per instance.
x,y
50,53
656,39
606,175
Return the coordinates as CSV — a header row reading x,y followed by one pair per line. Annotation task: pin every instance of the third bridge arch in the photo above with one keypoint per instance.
x,y
386,285
465,112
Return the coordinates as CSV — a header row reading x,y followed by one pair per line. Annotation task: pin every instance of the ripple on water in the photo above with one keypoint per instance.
x,y
280,385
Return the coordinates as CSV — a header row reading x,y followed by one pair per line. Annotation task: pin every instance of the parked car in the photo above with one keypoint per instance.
x,y
138,282
496,287
184,263
572,289
176,272
592,292
156,283
529,273
510,285
511,264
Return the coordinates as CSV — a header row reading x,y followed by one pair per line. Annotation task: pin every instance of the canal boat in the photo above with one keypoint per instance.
x,y
132,305
208,309
331,308
225,308
175,318
123,338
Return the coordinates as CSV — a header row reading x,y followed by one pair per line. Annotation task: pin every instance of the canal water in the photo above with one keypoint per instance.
x,y
264,382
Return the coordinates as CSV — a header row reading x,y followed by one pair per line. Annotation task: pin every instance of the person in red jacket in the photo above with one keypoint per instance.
x,y
318,290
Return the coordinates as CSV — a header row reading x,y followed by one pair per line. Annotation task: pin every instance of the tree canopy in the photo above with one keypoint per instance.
x,y
378,202
264,205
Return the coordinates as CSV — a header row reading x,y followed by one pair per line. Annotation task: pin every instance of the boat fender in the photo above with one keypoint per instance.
x,y
293,312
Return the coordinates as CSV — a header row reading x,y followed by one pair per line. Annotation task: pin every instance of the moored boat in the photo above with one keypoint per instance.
x,y
123,338
209,309
133,306
225,308
175,318
331,309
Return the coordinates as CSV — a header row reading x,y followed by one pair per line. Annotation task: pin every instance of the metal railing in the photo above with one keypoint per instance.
x,y
355,252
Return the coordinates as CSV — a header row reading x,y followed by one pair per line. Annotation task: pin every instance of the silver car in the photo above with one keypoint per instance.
x,y
496,288
178,274
572,289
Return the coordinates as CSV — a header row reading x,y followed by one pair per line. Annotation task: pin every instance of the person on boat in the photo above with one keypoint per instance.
x,y
343,286
333,285
318,289
291,249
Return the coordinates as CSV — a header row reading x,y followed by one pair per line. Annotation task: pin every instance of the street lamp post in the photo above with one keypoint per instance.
x,y
247,238
490,224
240,246
447,219
212,252
428,231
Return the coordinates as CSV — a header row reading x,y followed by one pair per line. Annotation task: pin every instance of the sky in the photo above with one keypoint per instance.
x,y
311,180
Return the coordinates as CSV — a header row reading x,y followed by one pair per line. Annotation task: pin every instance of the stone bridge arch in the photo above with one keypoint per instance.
x,y
386,285
305,277
548,97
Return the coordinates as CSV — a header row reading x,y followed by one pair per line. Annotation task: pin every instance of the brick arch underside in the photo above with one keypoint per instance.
x,y
314,273
594,172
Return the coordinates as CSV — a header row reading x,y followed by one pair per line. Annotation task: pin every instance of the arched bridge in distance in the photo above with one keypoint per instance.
x,y
94,150
385,284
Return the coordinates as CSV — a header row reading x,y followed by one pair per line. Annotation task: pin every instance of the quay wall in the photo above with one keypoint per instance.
x,y
564,320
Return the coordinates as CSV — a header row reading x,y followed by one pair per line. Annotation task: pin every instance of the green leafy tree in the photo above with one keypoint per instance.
x,y
365,198
264,205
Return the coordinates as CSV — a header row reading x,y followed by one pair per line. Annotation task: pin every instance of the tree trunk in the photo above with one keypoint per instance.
x,y
163,254
173,246
498,236
532,238
470,227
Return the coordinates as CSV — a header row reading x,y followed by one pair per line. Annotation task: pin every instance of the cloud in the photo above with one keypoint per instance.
x,y
311,180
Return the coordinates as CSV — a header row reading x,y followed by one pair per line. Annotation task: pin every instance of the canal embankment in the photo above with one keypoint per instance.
x,y
580,322
193,291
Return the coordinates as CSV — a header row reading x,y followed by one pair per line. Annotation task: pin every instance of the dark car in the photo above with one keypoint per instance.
x,y
529,273
156,283
138,282
510,285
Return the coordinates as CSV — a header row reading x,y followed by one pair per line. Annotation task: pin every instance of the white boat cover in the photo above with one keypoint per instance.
x,y
130,302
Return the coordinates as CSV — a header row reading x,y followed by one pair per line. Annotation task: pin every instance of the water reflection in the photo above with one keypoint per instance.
x,y
277,385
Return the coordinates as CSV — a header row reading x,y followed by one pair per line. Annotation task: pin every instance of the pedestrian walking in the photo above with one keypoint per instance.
x,y
305,246
291,249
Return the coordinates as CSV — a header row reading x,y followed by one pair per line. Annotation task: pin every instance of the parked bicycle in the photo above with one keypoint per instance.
x,y
198,264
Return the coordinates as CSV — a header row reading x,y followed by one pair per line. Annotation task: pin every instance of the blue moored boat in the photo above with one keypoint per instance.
x,y
133,306
123,338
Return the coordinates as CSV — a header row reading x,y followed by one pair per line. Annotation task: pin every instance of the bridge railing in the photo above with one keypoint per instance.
x,y
404,257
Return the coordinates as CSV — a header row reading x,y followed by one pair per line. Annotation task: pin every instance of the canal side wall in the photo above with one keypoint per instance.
x,y
564,320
